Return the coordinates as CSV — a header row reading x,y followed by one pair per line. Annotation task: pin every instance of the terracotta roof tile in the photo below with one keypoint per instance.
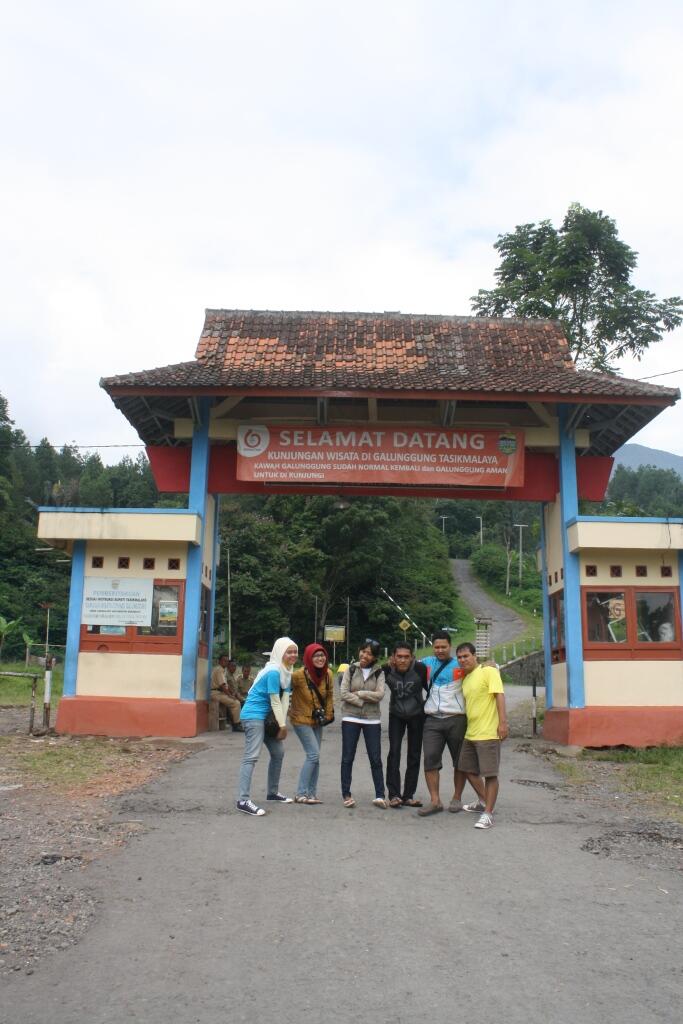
x,y
247,350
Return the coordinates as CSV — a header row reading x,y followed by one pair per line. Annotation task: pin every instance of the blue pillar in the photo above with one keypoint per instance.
x,y
73,623
199,479
212,610
547,647
569,504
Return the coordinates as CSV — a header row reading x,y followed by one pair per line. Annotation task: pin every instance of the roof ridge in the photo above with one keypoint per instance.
x,y
384,314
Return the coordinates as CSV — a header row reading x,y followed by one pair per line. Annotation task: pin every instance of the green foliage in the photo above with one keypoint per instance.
x,y
652,491
287,551
579,274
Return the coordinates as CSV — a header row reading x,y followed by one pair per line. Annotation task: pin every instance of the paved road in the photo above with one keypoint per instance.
x,y
314,914
506,625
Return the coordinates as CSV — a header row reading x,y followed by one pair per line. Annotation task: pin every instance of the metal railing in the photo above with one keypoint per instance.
x,y
32,709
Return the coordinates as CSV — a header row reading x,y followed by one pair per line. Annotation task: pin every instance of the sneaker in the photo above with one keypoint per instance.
x,y
249,807
486,821
476,808
280,798
455,806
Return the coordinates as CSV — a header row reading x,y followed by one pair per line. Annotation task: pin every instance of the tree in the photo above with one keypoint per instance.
x,y
580,275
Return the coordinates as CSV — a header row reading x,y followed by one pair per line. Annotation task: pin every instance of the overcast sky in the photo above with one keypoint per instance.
x,y
164,157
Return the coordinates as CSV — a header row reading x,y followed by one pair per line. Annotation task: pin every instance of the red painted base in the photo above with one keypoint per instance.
x,y
123,716
614,726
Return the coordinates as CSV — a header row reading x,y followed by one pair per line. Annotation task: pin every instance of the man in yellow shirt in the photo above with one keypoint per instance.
x,y
487,726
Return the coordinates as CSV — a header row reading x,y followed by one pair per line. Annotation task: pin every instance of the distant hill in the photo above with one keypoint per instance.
x,y
634,455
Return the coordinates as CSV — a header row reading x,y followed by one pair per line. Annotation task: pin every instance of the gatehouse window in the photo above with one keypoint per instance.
x,y
656,617
606,617
632,623
557,645
164,634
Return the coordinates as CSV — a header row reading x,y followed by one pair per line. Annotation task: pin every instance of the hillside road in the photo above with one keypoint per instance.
x,y
506,626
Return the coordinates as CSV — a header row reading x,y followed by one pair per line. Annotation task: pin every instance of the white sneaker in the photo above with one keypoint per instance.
x,y
249,807
486,821
474,808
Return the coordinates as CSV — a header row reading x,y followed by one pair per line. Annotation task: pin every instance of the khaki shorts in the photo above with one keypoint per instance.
x,y
439,733
480,757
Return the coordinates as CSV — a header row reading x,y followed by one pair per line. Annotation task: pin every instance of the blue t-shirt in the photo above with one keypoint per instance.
x,y
257,704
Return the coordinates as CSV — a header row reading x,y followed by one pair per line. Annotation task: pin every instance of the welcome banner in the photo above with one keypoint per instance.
x,y
375,455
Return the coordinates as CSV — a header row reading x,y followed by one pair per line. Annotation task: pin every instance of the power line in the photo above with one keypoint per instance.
x,y
16,447
667,373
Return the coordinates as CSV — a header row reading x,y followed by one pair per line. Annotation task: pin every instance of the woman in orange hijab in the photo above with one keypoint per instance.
x,y
311,708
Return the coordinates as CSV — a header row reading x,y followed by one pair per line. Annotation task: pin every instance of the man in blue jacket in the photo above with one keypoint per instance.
x,y
445,725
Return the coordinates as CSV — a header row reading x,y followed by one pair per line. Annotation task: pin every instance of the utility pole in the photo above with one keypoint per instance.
x,y
481,530
520,527
348,623
229,608
443,522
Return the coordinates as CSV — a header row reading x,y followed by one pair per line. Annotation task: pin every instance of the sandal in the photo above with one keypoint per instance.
x,y
380,802
348,801
412,803
313,800
395,801
300,799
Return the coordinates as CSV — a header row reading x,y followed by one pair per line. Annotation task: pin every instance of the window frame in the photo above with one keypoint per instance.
x,y
633,649
130,642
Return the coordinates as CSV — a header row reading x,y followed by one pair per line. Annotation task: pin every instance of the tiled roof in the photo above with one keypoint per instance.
x,y
245,350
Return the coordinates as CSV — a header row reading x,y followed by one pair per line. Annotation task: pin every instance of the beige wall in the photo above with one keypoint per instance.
x,y
207,551
70,526
559,677
661,537
628,560
136,550
634,683
202,688
553,540
128,675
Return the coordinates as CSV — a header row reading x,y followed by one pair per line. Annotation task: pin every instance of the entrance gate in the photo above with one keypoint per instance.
x,y
381,404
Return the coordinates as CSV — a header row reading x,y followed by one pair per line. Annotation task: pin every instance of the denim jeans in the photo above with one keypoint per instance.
x,y
254,738
397,726
373,744
310,738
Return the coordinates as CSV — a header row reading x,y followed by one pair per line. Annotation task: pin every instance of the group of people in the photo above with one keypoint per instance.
x,y
230,689
441,701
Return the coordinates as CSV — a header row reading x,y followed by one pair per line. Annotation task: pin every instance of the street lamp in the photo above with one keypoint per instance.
x,y
443,522
520,527
481,529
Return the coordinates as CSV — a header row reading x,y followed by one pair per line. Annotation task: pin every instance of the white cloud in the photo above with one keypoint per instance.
x,y
162,158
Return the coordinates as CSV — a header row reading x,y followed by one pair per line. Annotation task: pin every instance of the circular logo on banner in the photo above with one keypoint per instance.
x,y
507,444
252,440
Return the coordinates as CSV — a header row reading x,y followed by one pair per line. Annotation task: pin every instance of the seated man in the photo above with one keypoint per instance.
x,y
244,680
223,690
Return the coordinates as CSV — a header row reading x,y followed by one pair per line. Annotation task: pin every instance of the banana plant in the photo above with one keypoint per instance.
x,y
7,626
29,644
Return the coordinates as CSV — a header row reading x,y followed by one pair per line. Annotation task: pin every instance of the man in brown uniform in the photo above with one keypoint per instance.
x,y
224,691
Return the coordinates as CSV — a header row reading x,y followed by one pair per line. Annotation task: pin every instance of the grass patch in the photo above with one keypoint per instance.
x,y
572,772
71,763
17,692
657,771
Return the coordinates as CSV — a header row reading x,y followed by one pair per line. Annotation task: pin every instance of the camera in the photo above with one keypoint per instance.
x,y
319,717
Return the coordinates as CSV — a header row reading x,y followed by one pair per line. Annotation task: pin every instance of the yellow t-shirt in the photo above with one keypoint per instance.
x,y
478,690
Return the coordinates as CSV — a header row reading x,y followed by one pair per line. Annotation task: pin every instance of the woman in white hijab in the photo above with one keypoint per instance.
x,y
269,691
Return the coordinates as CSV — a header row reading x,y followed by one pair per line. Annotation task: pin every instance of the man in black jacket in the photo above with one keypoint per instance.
x,y
406,679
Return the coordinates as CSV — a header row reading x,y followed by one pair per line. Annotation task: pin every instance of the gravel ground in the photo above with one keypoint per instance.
x,y
49,835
